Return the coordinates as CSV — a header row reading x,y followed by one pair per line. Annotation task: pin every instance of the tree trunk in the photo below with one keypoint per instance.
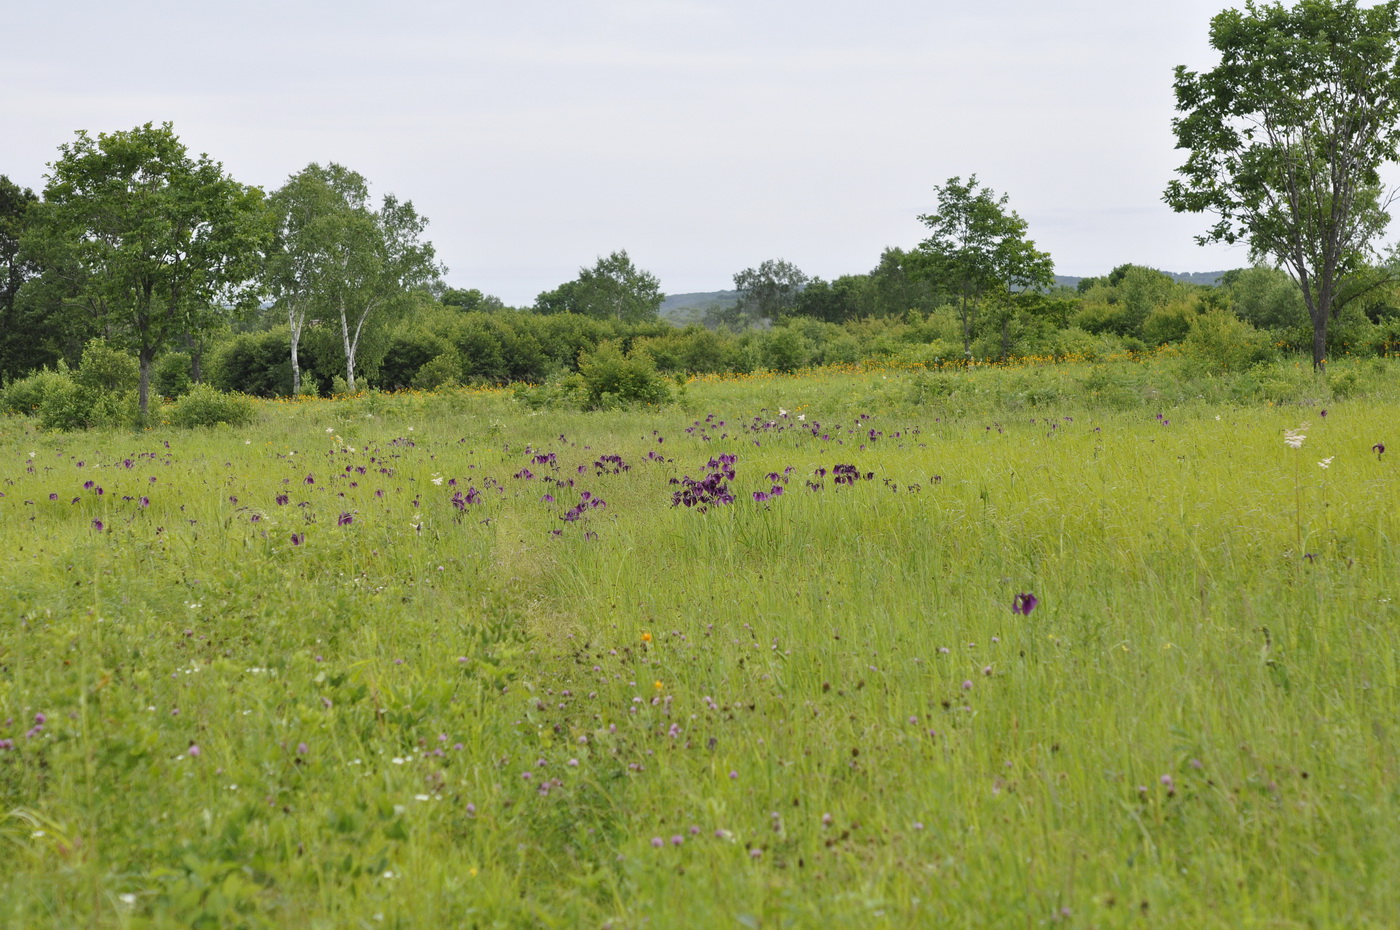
x,y
296,365
144,391
1319,345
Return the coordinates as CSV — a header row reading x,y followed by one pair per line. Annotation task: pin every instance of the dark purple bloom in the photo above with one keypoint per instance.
x,y
1023,604
145,501
309,479
1378,448
97,525
282,499
298,539
345,519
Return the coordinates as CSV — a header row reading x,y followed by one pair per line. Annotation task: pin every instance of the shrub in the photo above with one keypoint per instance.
x,y
442,370
1222,340
207,406
608,379
170,376
105,369
26,395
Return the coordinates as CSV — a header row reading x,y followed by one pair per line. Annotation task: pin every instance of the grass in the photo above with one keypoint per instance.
x,y
815,710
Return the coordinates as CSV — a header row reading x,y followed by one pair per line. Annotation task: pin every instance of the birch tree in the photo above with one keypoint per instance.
x,y
340,257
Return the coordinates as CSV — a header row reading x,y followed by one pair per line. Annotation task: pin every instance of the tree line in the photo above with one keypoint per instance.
x,y
163,255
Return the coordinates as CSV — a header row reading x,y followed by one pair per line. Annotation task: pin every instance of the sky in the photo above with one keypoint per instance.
x,y
702,136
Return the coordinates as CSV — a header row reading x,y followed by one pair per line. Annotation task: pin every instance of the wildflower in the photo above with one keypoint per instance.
x,y
97,525
967,685
345,519
1023,604
194,750
1326,462
1378,448
646,637
658,685
657,842
298,539
1293,438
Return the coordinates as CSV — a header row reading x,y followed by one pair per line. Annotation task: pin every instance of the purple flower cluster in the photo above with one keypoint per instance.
x,y
586,503
710,491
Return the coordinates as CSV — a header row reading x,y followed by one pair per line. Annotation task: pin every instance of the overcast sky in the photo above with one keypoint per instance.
x,y
702,136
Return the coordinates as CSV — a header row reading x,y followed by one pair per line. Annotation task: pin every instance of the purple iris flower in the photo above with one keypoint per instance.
x,y
345,519
1024,604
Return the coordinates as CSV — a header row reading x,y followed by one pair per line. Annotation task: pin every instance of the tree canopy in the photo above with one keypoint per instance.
x,y
613,289
151,243
978,247
337,254
1286,137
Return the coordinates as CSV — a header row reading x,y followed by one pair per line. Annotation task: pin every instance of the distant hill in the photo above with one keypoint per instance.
x,y
682,309
1209,278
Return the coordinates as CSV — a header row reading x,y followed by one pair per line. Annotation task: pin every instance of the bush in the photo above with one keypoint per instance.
x,y
170,376
442,370
1222,340
26,395
207,406
105,369
607,380
65,400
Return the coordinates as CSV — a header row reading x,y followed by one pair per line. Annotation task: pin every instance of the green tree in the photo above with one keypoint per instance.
x,y
979,249
1287,135
150,243
470,299
17,340
613,289
768,292
337,255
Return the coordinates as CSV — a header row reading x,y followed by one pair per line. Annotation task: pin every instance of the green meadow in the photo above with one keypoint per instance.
x,y
444,660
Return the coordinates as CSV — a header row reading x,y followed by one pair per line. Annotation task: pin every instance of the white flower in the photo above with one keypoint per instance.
x,y
801,417
782,412
437,479
1325,462
330,429
1294,437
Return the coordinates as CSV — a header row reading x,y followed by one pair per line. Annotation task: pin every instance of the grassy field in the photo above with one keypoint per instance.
x,y
421,661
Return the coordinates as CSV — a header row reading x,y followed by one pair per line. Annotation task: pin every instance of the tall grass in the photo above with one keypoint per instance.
x,y
815,709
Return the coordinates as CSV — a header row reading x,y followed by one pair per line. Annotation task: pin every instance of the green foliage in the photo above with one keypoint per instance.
x,y
107,369
613,289
204,405
254,363
25,395
1169,323
442,370
1287,136
1223,341
608,380
766,293
171,376
136,234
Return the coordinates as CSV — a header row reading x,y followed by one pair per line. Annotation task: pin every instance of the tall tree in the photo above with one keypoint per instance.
x,y
1287,135
978,249
338,255
613,289
151,243
16,340
768,292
